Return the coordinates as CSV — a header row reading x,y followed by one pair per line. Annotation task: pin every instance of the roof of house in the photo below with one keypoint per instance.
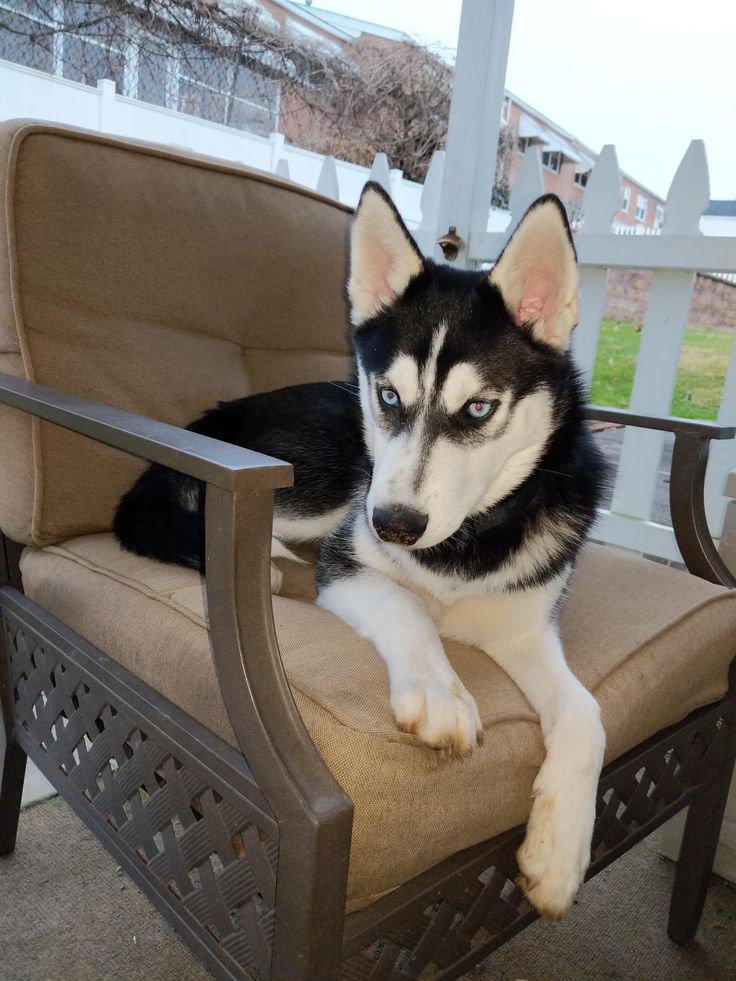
x,y
355,27
318,18
723,209
341,26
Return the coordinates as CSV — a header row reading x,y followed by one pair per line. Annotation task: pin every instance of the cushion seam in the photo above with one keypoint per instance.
x,y
134,584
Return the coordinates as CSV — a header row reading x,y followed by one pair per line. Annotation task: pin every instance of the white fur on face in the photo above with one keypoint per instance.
x,y
464,477
403,376
462,384
450,479
397,459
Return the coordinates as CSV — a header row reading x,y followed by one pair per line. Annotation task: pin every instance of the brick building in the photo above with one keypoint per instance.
x,y
566,164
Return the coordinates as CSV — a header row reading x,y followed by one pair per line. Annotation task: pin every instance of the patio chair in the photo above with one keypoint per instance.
x,y
233,751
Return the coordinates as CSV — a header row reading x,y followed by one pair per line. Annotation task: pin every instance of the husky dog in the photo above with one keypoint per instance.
x,y
452,497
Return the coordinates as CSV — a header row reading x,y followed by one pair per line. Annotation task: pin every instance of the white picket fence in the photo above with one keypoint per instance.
x,y
674,256
620,228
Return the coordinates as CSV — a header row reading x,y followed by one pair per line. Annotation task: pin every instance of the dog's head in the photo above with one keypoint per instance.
x,y
460,372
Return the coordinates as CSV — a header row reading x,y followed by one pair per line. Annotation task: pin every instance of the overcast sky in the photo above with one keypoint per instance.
x,y
646,75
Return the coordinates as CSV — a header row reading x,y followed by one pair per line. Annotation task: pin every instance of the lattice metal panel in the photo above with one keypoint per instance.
x,y
207,854
482,908
432,939
633,798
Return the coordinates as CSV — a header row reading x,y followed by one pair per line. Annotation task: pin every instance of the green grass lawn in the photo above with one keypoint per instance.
x,y
703,363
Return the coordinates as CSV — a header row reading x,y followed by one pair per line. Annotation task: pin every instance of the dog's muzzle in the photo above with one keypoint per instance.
x,y
399,525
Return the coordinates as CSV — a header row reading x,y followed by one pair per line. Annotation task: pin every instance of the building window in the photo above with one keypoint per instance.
x,y
27,35
642,206
659,217
552,160
505,109
155,68
89,52
581,179
87,61
626,200
524,142
254,102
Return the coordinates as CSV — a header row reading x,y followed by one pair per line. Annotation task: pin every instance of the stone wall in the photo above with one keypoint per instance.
x,y
714,301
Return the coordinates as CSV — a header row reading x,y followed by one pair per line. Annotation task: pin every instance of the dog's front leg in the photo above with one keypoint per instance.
x,y
518,633
427,697
556,851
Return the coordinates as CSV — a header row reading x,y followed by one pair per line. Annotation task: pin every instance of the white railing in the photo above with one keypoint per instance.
x,y
674,255
620,228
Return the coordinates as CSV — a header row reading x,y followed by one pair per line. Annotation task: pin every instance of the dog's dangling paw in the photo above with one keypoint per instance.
x,y
552,859
550,875
555,853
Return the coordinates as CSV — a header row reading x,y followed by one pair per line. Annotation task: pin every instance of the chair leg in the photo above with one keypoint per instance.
x,y
12,772
12,760
697,852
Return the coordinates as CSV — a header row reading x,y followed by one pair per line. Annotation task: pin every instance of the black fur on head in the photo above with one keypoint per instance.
x,y
481,327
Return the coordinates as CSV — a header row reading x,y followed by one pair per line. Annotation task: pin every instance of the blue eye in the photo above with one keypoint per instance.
x,y
479,410
389,396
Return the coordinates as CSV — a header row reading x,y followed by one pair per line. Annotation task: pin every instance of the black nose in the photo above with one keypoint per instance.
x,y
400,525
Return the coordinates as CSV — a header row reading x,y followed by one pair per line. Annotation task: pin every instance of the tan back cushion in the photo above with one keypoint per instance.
x,y
156,282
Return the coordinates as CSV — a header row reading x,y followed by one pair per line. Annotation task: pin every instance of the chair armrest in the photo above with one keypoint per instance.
x,y
289,771
687,484
207,459
668,424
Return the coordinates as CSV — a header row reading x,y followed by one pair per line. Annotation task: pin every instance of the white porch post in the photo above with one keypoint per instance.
x,y
475,118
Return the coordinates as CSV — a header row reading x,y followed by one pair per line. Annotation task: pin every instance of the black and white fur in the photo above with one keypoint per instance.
x,y
453,488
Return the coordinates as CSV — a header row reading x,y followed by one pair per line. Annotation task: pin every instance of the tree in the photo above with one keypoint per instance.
x,y
388,97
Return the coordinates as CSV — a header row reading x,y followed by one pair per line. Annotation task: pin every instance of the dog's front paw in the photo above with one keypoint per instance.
x,y
442,714
553,858
556,850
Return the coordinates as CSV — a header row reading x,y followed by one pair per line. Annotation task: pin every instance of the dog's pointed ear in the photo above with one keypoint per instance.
x,y
384,258
537,274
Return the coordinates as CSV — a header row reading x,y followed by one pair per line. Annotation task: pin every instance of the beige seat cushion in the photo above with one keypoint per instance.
x,y
651,643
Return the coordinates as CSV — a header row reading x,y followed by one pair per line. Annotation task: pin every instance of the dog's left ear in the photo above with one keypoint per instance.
x,y
383,256
537,273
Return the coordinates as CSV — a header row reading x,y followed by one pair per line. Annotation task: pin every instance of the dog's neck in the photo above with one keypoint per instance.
x,y
512,506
